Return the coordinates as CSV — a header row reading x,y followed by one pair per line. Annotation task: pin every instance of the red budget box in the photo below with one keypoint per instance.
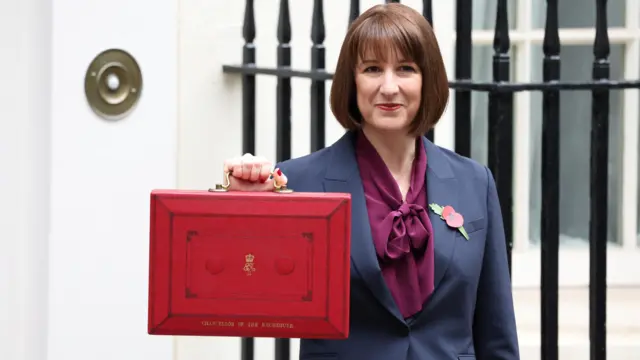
x,y
250,264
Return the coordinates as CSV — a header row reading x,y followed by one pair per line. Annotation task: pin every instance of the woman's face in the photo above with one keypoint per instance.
x,y
389,92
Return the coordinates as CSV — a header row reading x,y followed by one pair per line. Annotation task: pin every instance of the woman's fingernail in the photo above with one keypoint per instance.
x,y
279,172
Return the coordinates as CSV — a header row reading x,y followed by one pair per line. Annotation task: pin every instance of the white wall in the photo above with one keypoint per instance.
x,y
24,177
102,173
74,188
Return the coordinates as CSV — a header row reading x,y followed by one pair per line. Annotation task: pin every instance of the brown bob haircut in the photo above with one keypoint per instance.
x,y
405,32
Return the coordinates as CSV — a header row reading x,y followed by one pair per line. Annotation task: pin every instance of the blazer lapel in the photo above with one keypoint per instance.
x,y
343,176
442,189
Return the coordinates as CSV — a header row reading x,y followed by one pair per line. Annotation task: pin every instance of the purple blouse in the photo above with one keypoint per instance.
x,y
402,232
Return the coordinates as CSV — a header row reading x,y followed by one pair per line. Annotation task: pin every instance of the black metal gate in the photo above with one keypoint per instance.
x,y
500,114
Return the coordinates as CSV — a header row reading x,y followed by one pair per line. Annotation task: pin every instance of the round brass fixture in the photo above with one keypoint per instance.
x,y
113,84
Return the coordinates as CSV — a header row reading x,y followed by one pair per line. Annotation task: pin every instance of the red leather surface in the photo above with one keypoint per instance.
x,y
249,264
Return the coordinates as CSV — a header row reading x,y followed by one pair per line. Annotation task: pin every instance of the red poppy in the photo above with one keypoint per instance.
x,y
452,218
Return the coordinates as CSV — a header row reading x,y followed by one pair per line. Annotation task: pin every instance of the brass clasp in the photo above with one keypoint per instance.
x,y
225,187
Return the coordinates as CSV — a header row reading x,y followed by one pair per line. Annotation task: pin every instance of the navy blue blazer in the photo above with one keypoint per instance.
x,y
470,314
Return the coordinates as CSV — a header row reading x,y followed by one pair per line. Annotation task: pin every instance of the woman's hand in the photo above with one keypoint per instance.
x,y
252,173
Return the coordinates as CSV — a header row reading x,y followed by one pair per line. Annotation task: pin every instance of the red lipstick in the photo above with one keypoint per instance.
x,y
388,107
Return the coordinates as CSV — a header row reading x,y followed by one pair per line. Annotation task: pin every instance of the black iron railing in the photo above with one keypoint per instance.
x,y
500,111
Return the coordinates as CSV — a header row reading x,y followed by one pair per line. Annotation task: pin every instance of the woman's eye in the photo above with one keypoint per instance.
x,y
407,68
372,69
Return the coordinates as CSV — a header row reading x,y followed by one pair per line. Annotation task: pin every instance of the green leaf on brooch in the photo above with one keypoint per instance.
x,y
436,209
464,232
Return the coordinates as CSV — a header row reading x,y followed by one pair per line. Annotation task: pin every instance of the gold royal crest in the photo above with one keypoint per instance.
x,y
249,269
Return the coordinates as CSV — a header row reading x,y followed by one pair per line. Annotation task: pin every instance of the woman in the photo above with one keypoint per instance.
x,y
422,288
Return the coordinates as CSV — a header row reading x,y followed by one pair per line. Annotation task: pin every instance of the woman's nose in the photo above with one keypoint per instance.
x,y
389,84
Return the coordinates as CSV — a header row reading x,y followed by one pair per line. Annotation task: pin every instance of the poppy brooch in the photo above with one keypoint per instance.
x,y
451,217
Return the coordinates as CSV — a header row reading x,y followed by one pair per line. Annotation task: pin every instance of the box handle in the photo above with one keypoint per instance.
x,y
225,187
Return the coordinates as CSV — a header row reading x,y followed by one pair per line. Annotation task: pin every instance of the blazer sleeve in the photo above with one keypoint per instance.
x,y
494,328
